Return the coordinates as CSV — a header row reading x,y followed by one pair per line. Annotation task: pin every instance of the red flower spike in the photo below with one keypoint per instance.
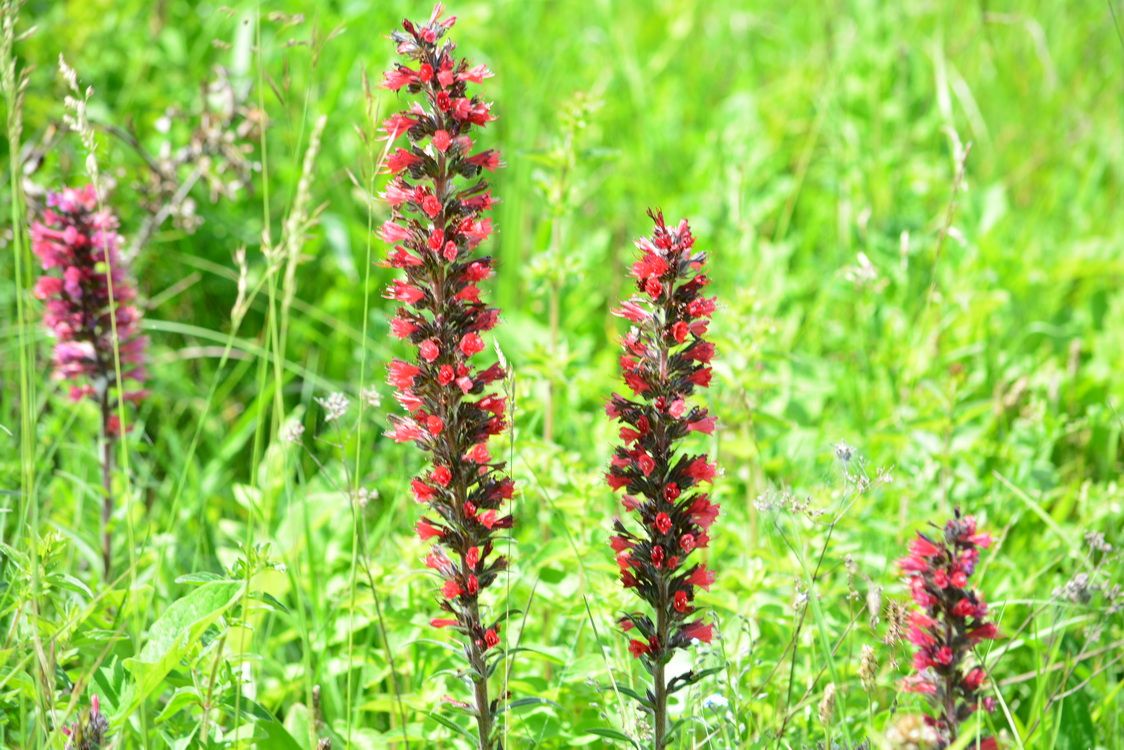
x,y
949,621
437,204
664,360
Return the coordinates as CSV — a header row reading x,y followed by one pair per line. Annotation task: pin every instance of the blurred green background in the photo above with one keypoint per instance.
x,y
963,335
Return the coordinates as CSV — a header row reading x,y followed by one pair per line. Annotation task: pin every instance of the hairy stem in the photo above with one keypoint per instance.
x,y
663,623
480,684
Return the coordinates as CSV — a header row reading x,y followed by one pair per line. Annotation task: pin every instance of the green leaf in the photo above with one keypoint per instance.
x,y
281,736
635,695
613,734
532,701
271,600
180,699
174,631
62,580
200,577
690,678
450,724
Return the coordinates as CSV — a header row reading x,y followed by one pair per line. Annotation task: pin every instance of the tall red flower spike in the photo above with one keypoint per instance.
x,y
665,359
438,202
950,619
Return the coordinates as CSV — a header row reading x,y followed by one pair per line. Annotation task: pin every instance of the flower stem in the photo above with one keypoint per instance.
x,y
659,731
480,684
483,717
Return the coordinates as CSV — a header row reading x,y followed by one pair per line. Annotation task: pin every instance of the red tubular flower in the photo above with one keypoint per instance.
x,y
81,310
949,622
437,201
664,356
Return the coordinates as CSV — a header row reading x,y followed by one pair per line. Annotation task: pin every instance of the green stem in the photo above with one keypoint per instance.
x,y
106,485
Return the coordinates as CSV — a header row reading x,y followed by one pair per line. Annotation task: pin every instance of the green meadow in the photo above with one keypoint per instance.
x,y
912,213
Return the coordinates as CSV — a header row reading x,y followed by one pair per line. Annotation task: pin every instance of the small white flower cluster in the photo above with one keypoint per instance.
x,y
364,496
372,397
336,406
292,432
788,502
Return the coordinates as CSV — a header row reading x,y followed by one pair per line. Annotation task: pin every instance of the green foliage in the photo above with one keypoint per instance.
x,y
258,600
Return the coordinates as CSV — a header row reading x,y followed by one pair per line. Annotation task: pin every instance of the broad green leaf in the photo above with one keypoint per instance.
x,y
179,626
